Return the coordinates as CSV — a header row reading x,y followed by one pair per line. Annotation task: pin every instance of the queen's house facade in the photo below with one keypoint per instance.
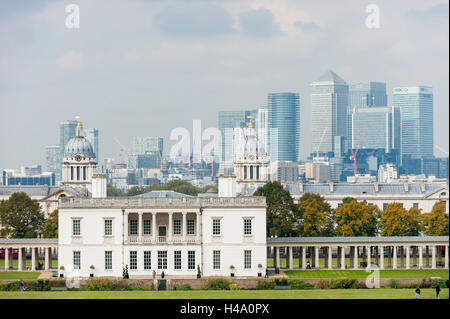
x,y
174,235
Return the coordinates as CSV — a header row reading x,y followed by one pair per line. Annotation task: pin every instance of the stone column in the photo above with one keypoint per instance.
x,y
304,257
34,258
342,257
198,226
316,253
407,257
277,257
125,226
368,257
47,258
330,257
291,263
169,237
394,257
381,249
355,258
20,260
184,226
7,259
154,226
446,257
420,257
140,227
433,257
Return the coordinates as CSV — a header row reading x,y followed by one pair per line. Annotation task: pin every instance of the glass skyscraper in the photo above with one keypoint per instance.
x,y
329,115
378,132
67,131
284,126
91,135
370,94
228,121
416,120
143,145
52,160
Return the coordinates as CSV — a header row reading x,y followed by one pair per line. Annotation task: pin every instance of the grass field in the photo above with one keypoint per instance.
x,y
16,275
381,293
384,274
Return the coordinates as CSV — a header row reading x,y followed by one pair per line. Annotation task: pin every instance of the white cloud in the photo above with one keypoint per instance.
x,y
71,60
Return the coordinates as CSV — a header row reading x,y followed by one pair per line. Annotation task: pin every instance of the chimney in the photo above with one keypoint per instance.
x,y
376,187
422,187
406,187
331,184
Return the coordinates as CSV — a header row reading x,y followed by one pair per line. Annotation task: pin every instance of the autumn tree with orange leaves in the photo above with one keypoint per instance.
x,y
397,221
316,216
356,219
435,223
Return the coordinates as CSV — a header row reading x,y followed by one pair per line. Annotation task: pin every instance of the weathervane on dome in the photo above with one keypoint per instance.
x,y
250,124
78,125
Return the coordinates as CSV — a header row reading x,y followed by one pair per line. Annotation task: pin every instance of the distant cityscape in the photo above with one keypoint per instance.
x,y
356,138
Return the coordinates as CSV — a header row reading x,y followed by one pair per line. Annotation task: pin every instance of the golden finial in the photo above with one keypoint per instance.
x,y
250,125
78,119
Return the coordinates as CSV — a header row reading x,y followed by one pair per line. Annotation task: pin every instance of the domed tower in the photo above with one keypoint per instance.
x,y
250,160
79,161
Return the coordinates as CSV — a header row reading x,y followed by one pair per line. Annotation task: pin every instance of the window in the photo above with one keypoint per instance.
x,y
84,173
216,259
416,205
147,260
133,227
257,172
71,173
108,227
177,259
78,173
251,171
247,226
216,227
76,227
247,259
385,205
191,227
245,172
108,260
133,259
162,259
191,259
77,259
147,227
177,226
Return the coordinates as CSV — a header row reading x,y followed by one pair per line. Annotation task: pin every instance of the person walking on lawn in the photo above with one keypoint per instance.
x,y
438,290
417,292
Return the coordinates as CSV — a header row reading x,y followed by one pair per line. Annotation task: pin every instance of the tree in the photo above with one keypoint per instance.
x,y
356,219
21,217
346,200
397,221
113,192
316,215
435,223
136,190
51,225
282,213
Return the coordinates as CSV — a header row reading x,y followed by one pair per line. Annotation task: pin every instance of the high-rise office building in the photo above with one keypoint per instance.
x,y
416,120
284,126
373,127
228,121
52,160
67,131
91,135
370,94
143,145
329,117
262,123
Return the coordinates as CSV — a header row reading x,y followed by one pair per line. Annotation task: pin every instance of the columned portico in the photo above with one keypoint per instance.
x,y
381,248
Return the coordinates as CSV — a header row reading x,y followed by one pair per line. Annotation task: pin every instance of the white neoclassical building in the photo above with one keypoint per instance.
x,y
175,235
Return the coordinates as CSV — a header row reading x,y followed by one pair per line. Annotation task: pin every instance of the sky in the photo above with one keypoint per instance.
x,y
144,68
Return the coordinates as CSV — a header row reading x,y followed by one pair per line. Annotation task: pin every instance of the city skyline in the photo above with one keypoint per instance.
x,y
232,80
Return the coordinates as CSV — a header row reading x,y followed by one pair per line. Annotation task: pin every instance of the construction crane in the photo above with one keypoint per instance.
x,y
320,142
441,149
123,149
353,156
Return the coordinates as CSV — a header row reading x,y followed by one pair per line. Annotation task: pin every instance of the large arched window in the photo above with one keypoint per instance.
x,y
245,172
84,173
251,171
71,173
257,173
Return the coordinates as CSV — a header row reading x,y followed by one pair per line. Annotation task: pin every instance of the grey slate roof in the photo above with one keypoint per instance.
x,y
38,190
363,188
165,194
28,240
357,239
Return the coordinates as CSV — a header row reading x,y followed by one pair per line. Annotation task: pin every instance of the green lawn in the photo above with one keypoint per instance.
x,y
386,274
381,293
347,262
16,275
28,263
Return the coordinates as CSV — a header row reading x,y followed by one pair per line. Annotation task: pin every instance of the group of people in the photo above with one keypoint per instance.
x,y
438,290
162,274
